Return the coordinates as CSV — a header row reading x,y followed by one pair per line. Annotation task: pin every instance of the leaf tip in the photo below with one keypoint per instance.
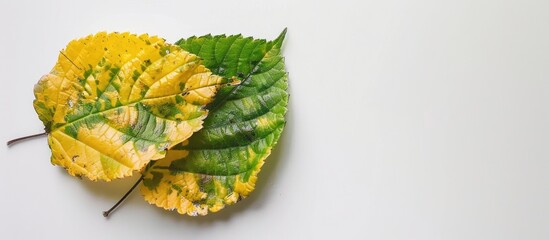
x,y
234,81
281,37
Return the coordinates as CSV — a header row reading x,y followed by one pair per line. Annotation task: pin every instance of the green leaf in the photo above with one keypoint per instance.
x,y
218,165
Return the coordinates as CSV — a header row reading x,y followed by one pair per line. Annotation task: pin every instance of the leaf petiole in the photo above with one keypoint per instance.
x,y
11,142
106,213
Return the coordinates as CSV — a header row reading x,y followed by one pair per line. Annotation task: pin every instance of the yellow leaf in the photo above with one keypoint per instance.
x,y
115,101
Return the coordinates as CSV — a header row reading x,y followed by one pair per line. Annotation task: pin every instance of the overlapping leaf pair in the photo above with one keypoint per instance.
x,y
197,118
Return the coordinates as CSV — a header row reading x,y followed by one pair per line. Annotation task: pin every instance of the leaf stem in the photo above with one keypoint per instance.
x,y
11,142
106,213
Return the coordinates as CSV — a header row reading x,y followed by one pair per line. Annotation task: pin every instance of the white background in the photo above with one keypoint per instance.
x,y
408,120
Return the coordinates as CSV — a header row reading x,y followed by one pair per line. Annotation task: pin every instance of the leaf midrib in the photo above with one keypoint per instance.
x,y
127,105
236,88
